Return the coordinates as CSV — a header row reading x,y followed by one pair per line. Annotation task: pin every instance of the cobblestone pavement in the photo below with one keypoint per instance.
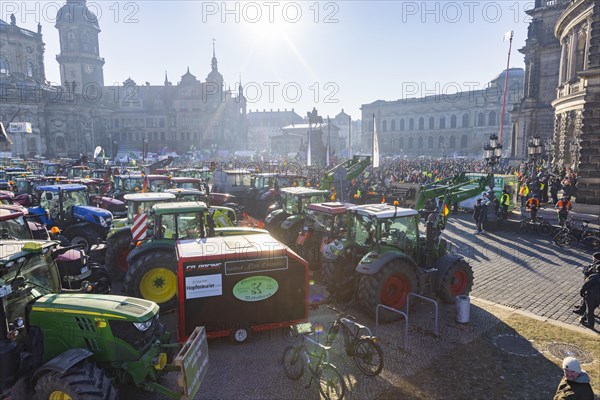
x,y
522,271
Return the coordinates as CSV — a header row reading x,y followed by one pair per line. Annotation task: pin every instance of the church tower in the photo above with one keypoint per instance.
x,y
79,59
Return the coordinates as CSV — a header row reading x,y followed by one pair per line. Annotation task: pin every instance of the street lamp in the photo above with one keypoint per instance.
x,y
534,150
492,151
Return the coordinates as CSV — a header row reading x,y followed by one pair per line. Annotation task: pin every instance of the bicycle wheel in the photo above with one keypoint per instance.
x,y
331,383
544,228
368,356
591,242
293,363
562,240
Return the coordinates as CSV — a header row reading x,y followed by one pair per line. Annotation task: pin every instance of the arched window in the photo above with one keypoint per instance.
x,y
393,128
29,69
411,124
442,122
401,142
420,142
430,142
463,141
580,56
431,122
421,123
452,142
441,141
384,126
4,69
492,118
453,121
410,143
480,119
401,124
61,147
465,120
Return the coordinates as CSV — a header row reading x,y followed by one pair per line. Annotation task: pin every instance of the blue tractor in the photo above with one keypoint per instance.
x,y
67,208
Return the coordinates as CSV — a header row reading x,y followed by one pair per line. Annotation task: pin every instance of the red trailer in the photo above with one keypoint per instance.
x,y
238,285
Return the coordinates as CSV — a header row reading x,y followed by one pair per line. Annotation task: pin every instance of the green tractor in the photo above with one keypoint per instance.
x,y
286,222
119,238
152,272
74,345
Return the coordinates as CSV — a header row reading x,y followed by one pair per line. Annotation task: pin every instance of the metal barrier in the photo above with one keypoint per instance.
x,y
429,300
405,315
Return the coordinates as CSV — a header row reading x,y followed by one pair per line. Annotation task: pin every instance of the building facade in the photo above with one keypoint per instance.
x,y
442,125
81,114
263,125
533,115
577,103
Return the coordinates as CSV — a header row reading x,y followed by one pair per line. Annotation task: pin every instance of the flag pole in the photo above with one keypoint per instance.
x,y
505,86
350,135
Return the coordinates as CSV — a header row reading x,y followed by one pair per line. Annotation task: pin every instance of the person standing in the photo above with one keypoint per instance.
x,y
533,204
479,213
504,203
524,192
563,207
575,383
590,292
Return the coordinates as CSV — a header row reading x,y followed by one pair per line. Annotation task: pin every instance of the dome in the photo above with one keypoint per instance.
x,y
188,78
215,77
513,73
76,12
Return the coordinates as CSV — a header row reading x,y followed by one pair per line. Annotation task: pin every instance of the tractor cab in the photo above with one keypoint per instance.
x,y
234,181
196,173
127,183
189,183
139,203
158,183
50,169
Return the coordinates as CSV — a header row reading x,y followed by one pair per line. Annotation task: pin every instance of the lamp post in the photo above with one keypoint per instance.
x,y
492,153
534,150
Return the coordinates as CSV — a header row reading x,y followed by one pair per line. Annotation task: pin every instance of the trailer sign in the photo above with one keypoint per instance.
x,y
203,286
255,288
256,265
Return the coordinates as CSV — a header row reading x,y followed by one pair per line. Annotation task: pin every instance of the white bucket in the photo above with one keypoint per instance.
x,y
463,309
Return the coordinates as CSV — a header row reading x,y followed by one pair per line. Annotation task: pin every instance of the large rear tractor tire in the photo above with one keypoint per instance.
x,y
153,276
117,250
83,381
336,280
84,238
390,287
457,281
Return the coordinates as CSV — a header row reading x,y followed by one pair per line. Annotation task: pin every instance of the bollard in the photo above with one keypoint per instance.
x,y
463,304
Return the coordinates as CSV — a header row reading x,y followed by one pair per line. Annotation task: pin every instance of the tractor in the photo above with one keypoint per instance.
x,y
384,257
58,344
265,192
323,223
118,241
67,208
285,223
152,272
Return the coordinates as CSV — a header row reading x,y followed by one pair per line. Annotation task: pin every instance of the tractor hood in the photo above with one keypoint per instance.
x,y
93,214
101,306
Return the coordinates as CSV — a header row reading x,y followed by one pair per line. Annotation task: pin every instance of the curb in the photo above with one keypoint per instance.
x,y
578,329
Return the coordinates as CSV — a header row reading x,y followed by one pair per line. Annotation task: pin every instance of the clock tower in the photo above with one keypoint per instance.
x,y
79,59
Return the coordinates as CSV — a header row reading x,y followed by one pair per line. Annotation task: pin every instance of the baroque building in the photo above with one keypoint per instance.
x,y
533,115
577,97
441,125
81,114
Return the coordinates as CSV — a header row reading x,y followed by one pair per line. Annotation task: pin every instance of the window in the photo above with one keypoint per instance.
x,y
480,119
393,128
492,118
442,122
453,121
465,120
29,69
162,136
384,126
4,69
463,141
452,142
421,123
431,122
420,142
430,142
441,142
161,123
411,124
115,123
31,145
410,143
401,124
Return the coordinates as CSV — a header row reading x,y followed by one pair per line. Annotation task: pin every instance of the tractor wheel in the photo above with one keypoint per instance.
x,y
457,281
240,335
329,272
153,277
390,287
117,250
100,278
86,239
83,381
336,280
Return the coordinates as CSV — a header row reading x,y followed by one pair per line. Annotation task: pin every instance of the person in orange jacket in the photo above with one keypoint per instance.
x,y
563,206
533,204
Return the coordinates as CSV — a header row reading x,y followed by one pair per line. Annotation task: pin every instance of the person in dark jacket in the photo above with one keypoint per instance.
x,y
590,291
479,214
575,383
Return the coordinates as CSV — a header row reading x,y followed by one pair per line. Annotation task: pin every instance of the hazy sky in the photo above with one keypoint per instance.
x,y
328,55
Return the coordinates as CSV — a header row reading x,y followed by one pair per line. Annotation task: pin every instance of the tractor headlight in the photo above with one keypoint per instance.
x,y
143,326
103,222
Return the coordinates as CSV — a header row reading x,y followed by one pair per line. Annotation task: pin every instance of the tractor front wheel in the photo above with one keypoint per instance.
x,y
83,238
153,277
117,250
457,281
83,381
390,286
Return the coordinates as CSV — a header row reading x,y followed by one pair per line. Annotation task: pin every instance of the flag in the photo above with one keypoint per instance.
x,y
327,155
508,36
446,210
375,160
145,184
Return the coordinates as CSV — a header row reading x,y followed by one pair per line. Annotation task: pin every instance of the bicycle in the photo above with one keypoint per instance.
x,y
542,226
571,232
367,354
296,358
